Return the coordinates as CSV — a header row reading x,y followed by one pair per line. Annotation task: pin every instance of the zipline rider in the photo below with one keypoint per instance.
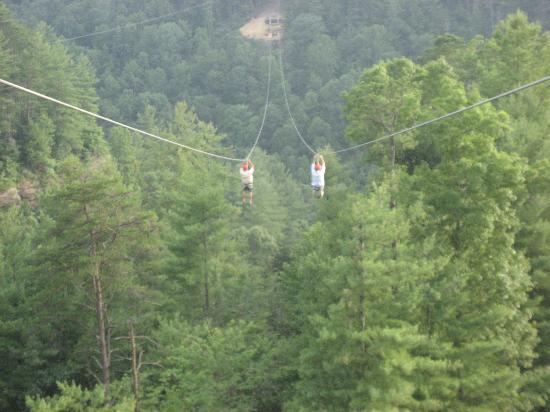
x,y
318,168
247,180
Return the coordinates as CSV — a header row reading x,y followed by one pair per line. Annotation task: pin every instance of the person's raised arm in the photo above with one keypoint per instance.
x,y
251,165
321,159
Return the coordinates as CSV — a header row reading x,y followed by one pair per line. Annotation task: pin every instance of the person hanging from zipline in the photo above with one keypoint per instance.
x,y
247,180
318,168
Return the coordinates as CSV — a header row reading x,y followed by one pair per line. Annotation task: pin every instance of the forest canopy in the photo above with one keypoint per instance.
x,y
133,278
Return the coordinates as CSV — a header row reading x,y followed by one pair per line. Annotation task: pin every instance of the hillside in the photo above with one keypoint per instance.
x,y
143,269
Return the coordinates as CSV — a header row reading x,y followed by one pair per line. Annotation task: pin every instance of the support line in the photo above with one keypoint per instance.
x,y
108,120
266,105
283,83
414,127
127,26
446,116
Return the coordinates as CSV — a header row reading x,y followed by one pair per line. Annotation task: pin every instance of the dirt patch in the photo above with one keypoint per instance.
x,y
28,191
9,197
258,29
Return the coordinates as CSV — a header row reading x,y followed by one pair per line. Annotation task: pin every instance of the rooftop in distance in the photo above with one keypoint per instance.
x,y
267,26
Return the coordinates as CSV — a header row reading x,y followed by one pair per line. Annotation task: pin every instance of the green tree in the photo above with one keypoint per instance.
x,y
123,148
209,368
472,192
199,226
22,355
363,347
511,55
500,65
75,398
88,251
386,99
38,149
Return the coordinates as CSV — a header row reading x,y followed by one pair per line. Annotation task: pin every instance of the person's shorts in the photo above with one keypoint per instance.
x,y
318,191
248,188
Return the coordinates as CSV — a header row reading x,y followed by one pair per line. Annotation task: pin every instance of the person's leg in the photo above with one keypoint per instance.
x,y
244,197
251,197
321,192
317,192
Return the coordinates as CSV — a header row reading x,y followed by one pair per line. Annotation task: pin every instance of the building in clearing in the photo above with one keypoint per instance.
x,y
267,26
274,26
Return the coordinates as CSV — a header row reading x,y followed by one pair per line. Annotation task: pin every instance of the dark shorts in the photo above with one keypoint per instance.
x,y
248,188
318,191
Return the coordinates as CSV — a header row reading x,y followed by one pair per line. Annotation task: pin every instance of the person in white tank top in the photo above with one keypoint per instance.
x,y
247,180
318,168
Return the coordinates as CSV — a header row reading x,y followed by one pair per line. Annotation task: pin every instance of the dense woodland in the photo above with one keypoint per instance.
x,y
132,279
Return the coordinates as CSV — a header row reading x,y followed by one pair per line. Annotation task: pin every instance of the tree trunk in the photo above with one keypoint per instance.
x,y
393,203
393,161
135,366
100,314
102,335
362,303
363,320
206,291
393,153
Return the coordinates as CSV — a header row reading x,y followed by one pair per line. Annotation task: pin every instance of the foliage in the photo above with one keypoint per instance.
x,y
132,279
74,398
209,368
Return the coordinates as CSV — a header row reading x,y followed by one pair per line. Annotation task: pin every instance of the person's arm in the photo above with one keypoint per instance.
x,y
321,160
251,165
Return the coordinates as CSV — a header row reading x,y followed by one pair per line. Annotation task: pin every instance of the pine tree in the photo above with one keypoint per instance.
x,y
85,255
484,310
212,368
501,64
199,229
22,355
362,347
38,148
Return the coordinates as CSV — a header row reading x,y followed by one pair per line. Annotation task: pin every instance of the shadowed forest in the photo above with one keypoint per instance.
x,y
132,278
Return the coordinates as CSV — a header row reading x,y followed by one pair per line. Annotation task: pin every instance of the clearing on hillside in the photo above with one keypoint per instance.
x,y
268,25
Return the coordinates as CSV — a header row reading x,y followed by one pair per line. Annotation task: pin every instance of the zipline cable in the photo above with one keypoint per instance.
x,y
146,21
414,127
106,119
446,116
283,81
266,105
